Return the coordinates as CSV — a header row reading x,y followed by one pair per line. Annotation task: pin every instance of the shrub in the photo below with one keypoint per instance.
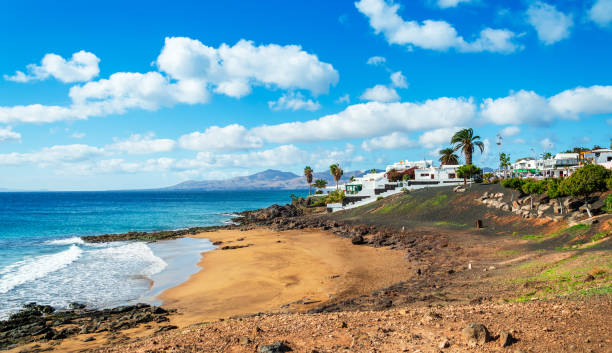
x,y
319,192
585,181
609,203
317,201
379,198
335,196
405,191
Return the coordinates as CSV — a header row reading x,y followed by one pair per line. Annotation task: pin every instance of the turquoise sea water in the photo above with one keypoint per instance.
x,y
43,259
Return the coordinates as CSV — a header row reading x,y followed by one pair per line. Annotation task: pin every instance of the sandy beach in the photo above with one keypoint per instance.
x,y
280,271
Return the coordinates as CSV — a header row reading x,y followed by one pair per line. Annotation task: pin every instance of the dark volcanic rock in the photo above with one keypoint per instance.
x,y
151,236
276,347
36,322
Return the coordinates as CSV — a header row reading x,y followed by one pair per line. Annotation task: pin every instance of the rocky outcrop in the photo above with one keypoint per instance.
x,y
43,323
151,236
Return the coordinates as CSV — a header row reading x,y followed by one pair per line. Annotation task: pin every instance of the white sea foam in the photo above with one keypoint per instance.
x,y
34,268
66,241
134,253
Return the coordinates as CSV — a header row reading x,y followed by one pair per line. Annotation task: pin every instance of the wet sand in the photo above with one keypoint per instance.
x,y
302,268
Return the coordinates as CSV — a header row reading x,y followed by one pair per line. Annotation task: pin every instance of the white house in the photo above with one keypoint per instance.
x,y
403,165
602,156
442,174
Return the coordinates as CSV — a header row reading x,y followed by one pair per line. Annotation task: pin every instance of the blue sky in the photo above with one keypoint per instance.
x,y
109,95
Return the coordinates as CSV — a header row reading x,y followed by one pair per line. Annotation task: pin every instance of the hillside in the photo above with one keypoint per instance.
x,y
267,180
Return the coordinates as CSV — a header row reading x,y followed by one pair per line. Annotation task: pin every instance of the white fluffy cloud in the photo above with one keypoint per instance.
x,y
344,99
438,137
83,66
376,60
51,155
7,134
142,144
399,80
450,3
601,12
233,70
373,119
229,138
434,35
551,24
394,140
279,156
380,93
510,131
294,101
529,107
188,70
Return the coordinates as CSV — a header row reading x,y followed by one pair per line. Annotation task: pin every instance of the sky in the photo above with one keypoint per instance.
x,y
127,95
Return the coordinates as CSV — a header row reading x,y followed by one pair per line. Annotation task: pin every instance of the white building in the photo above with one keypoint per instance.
x,y
403,165
442,174
602,156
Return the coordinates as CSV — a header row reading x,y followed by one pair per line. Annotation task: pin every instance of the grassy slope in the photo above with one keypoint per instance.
x,y
533,258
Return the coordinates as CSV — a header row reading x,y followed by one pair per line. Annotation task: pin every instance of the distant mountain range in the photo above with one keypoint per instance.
x,y
267,180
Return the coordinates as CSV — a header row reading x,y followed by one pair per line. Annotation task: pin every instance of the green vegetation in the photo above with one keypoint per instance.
x,y
466,141
448,156
308,176
320,184
335,196
586,180
608,206
504,161
467,171
452,224
336,172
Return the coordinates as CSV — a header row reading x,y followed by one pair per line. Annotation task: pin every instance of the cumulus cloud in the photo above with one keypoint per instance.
x,y
51,155
529,107
380,93
294,101
233,70
229,138
376,60
438,137
510,131
394,140
399,80
601,12
188,71
430,34
142,144
7,134
373,119
82,66
451,3
551,24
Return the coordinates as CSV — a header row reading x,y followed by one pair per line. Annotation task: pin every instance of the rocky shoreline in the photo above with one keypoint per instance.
x,y
42,323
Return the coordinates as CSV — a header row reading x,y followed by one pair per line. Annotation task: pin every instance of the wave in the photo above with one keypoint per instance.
x,y
66,241
31,269
132,253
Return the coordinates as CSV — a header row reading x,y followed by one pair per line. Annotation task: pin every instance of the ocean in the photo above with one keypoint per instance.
x,y
43,259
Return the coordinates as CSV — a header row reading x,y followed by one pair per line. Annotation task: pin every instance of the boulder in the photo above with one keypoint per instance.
x,y
475,334
505,339
276,347
357,239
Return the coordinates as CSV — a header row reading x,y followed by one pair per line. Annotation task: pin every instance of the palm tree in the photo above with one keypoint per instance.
x,y
465,141
448,157
336,172
308,175
320,183
373,170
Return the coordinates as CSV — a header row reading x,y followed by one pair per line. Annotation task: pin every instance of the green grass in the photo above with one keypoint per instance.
x,y
576,230
448,223
599,236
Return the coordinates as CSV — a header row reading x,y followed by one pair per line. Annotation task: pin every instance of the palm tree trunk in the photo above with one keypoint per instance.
x,y
309,185
468,157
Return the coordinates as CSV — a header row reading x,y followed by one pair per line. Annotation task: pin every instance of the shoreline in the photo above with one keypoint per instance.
x,y
262,270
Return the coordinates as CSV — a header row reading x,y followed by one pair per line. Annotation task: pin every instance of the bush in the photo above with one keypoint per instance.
x,y
317,201
609,203
335,196
405,191
379,198
318,192
609,182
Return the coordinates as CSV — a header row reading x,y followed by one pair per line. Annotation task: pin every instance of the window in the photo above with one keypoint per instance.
x,y
424,174
451,176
